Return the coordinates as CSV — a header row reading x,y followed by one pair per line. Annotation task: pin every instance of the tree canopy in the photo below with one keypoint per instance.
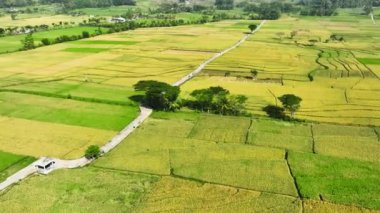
x,y
217,100
252,27
92,151
291,103
158,95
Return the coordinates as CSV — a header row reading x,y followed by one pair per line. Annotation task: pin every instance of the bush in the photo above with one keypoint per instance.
x,y
85,34
92,152
45,41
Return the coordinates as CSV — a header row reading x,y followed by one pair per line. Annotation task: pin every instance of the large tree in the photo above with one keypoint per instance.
x,y
217,100
291,103
158,95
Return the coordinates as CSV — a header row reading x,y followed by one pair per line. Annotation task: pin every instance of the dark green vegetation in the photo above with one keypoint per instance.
x,y
217,100
11,163
92,151
336,179
159,95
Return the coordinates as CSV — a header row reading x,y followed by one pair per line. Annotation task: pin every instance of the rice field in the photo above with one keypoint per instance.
x,y
13,43
11,163
337,180
173,194
221,129
82,91
39,19
343,77
188,161
36,138
87,189
279,134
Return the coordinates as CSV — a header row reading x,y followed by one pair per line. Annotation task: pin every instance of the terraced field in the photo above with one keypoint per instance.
x,y
342,76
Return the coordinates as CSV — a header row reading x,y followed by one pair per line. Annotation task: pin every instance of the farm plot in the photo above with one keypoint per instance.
x,y
336,180
87,189
172,194
121,59
66,111
35,138
221,129
166,146
11,163
13,43
315,206
297,56
255,168
360,143
147,149
280,134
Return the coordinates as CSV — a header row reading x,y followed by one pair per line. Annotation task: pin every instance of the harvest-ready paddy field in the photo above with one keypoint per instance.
x,y
81,93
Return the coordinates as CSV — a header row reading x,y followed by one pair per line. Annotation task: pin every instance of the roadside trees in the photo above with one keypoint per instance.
x,y
159,95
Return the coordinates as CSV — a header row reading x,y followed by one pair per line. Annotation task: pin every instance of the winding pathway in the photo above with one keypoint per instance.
x,y
144,114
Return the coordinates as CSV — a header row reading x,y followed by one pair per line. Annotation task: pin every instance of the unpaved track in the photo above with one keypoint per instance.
x,y
144,114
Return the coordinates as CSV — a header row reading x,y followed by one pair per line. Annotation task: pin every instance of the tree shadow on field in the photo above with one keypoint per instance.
x,y
137,98
275,112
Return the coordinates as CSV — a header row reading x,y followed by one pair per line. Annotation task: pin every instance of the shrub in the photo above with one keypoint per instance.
x,y
92,151
85,34
45,41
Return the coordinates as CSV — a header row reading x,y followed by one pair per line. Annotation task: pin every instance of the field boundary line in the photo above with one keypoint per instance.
x,y
377,134
248,131
116,140
312,138
274,96
292,175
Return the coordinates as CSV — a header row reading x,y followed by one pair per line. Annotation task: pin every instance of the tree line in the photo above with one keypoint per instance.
x,y
69,4
216,100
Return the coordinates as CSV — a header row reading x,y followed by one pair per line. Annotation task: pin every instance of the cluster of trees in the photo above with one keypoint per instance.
x,y
290,103
16,3
265,10
22,30
224,4
217,100
344,3
159,95
140,23
74,4
37,28
319,7
28,42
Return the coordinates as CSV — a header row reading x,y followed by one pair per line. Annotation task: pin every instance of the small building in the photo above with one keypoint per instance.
x,y
45,166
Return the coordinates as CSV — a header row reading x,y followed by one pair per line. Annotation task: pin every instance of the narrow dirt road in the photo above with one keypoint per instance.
x,y
116,140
